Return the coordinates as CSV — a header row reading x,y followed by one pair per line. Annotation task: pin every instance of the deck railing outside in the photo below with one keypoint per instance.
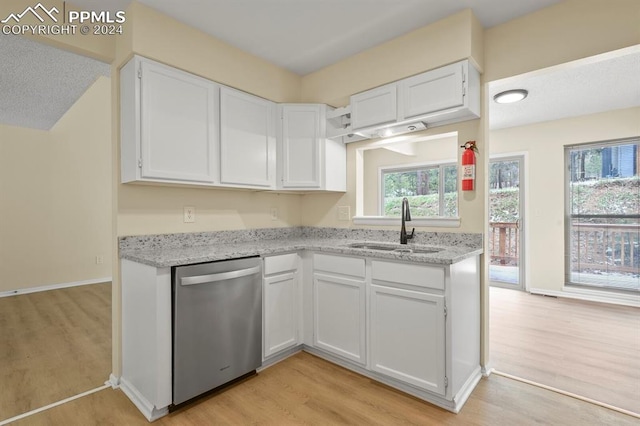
x,y
599,248
595,247
503,243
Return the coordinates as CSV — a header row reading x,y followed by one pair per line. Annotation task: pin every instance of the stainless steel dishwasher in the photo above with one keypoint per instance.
x,y
217,325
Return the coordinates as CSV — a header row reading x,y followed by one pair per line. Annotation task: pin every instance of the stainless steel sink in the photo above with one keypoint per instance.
x,y
395,248
369,246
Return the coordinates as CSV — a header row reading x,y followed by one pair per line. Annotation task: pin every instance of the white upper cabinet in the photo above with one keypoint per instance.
x,y
307,160
442,96
374,107
178,128
432,91
301,144
247,140
168,124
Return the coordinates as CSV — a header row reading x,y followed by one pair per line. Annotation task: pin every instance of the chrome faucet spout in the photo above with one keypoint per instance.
x,y
406,217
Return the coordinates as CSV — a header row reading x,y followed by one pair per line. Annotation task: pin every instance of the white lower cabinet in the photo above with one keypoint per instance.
x,y
340,316
339,306
411,325
408,336
281,300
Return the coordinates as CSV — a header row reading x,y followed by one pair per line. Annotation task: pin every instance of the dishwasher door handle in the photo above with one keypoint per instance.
x,y
222,276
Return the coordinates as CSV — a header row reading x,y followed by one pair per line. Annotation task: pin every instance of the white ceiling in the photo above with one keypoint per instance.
x,y
40,83
305,35
601,83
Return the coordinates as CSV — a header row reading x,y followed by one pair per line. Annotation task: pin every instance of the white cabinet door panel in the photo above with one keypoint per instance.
x,y
247,139
178,125
339,316
281,313
374,107
431,91
301,146
408,336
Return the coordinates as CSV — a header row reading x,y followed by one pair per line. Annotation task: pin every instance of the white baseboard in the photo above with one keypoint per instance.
x,y
591,296
53,287
143,404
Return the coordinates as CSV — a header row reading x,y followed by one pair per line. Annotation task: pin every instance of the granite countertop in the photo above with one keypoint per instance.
x,y
221,250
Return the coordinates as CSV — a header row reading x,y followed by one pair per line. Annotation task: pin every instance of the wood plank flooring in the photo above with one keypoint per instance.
x,y
304,389
587,348
53,345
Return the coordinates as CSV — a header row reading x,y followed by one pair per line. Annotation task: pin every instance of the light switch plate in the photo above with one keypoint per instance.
x,y
189,214
344,213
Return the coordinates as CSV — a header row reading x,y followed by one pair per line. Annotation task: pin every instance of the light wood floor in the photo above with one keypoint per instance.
x,y
304,389
53,345
587,348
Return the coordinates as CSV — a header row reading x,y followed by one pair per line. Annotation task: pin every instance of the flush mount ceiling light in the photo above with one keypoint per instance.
x,y
510,96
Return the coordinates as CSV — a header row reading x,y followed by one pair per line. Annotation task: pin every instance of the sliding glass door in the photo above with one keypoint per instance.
x,y
506,213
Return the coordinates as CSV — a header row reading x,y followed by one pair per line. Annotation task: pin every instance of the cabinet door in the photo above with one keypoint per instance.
x,y
301,145
431,91
177,132
280,313
247,139
339,316
374,107
408,336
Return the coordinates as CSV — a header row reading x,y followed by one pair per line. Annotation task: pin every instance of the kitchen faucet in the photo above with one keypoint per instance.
x,y
406,216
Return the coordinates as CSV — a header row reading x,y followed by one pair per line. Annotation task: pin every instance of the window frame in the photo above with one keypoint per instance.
x,y
441,166
569,215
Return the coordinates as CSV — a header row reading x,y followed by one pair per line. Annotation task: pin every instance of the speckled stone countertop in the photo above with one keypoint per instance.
x,y
183,249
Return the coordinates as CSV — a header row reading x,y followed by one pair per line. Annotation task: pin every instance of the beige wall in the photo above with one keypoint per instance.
x,y
544,145
572,29
55,197
449,40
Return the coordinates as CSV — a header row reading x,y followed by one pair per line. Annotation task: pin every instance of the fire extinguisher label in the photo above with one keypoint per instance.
x,y
469,171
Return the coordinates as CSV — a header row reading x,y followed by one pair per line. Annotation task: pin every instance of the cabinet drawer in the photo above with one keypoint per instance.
x,y
406,273
339,265
280,263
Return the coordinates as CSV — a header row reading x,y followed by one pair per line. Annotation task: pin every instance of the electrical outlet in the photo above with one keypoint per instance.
x,y
344,213
189,214
99,260
274,213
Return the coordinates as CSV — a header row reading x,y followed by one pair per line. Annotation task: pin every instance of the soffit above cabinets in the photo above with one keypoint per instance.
x,y
307,35
39,83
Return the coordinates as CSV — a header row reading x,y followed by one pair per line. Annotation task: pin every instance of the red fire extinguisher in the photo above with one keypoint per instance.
x,y
469,165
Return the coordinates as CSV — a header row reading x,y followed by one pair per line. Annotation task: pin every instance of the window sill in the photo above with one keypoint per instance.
x,y
441,222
